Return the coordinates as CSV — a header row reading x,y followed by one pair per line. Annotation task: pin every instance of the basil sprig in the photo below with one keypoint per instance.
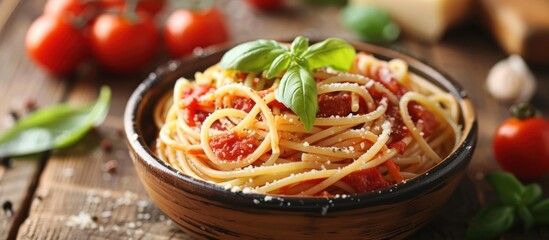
x,y
297,89
516,202
54,127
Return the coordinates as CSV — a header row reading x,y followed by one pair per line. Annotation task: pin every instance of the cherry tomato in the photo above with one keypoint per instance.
x,y
122,44
265,5
151,7
56,45
70,7
521,145
186,30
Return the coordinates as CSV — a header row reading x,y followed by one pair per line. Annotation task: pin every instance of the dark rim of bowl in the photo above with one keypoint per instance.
x,y
428,181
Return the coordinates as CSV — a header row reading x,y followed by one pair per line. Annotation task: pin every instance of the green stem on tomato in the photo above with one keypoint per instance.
x,y
195,5
130,10
523,111
81,21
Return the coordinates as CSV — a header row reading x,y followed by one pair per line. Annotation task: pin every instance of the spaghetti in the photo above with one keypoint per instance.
x,y
377,125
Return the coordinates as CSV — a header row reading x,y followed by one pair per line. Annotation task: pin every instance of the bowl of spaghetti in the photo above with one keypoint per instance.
x,y
232,151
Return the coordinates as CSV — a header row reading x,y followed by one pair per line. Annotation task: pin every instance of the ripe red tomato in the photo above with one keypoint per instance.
x,y
521,146
54,44
186,30
151,7
70,7
265,5
121,44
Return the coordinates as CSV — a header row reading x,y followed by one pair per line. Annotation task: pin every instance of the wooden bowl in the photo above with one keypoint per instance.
x,y
208,211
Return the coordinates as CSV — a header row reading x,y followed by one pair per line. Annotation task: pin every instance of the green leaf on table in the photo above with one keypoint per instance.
x,y
298,91
526,216
54,127
491,222
531,194
508,188
540,212
370,23
541,207
253,56
332,52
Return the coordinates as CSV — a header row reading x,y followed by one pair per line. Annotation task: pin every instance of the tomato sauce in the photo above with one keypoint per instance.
x,y
385,77
366,180
421,115
418,113
246,104
231,146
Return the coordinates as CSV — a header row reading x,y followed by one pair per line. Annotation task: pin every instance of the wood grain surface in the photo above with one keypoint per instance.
x,y
48,190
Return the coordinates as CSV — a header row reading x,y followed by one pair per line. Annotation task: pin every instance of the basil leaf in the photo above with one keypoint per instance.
x,y
280,64
370,23
55,127
299,45
297,91
332,52
541,207
508,188
491,222
252,56
541,219
540,212
531,194
526,216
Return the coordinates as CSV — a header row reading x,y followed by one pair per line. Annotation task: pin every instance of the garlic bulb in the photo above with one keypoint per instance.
x,y
511,81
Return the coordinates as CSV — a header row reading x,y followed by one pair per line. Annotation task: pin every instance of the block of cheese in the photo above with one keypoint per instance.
x,y
521,27
424,19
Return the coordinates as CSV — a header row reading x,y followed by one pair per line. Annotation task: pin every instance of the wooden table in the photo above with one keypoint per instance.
x,y
46,191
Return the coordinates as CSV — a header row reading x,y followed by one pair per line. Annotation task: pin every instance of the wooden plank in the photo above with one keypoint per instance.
x,y
20,81
7,8
75,180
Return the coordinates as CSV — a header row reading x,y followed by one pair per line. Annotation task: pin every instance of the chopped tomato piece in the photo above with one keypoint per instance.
x,y
337,105
231,146
189,111
201,89
418,114
427,119
241,75
334,105
244,104
274,103
366,180
399,129
386,78
279,105
394,170
191,100
398,146
200,116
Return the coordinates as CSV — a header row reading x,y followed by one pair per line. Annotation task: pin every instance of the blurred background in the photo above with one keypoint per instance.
x,y
64,50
